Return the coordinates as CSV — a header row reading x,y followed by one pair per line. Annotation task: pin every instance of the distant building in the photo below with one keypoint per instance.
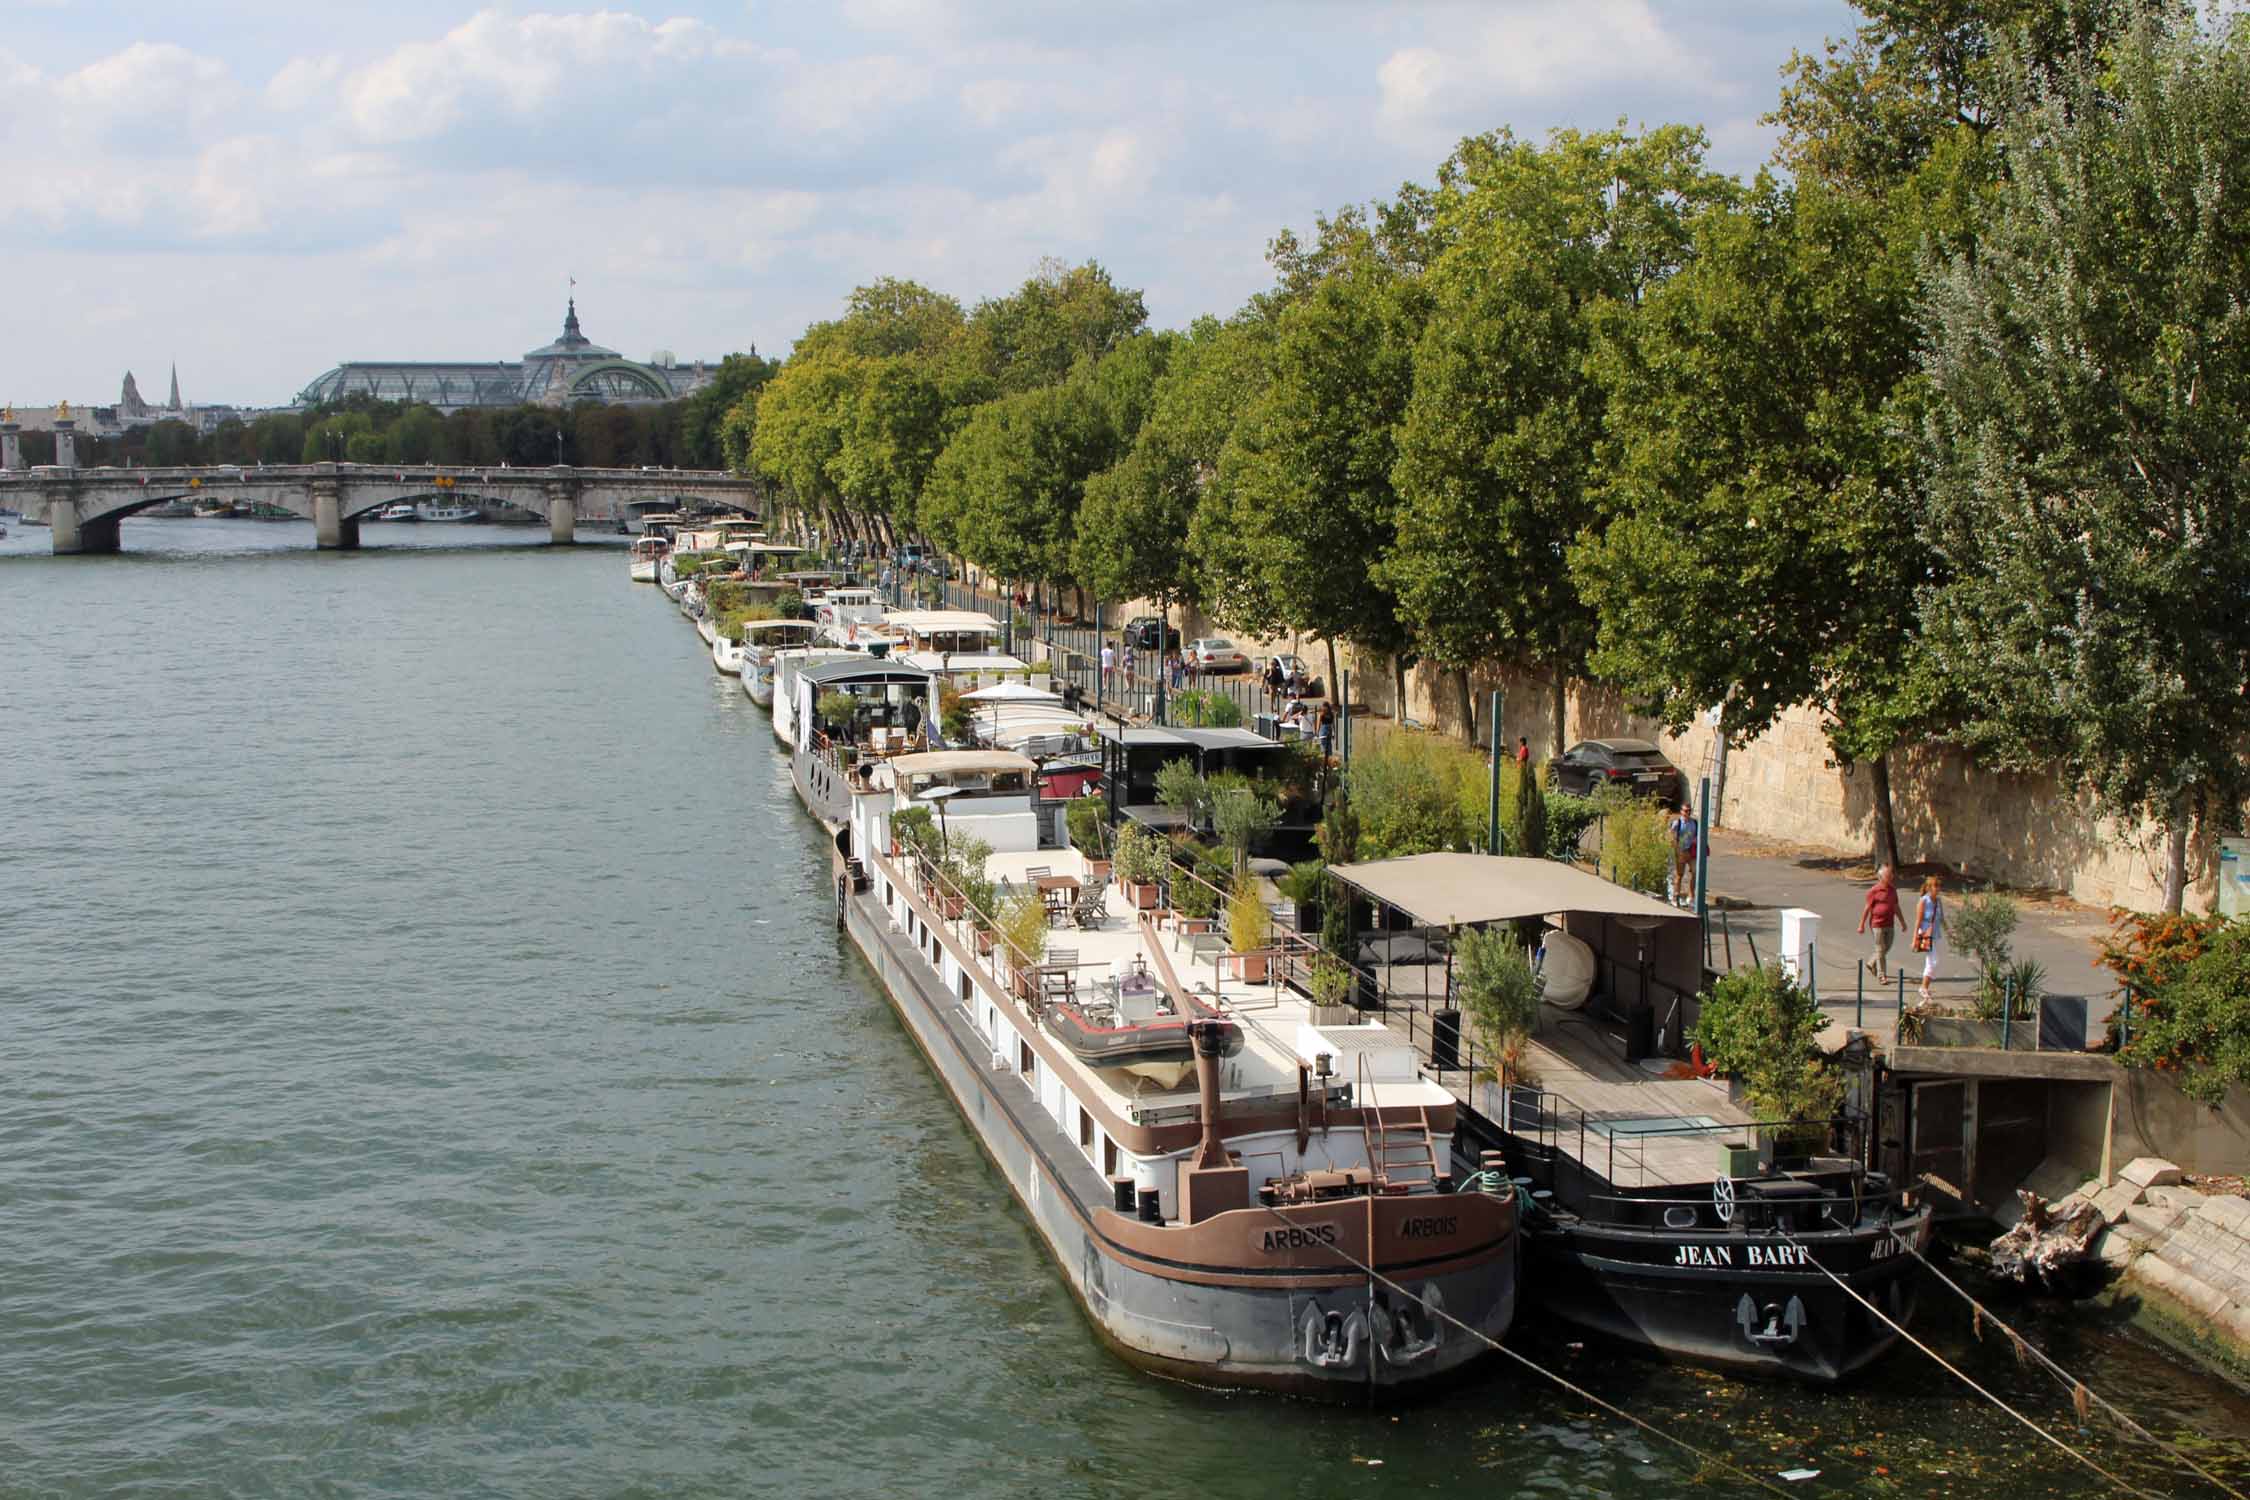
x,y
567,371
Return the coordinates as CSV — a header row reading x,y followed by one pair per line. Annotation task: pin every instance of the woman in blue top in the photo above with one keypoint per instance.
x,y
1929,929
1685,833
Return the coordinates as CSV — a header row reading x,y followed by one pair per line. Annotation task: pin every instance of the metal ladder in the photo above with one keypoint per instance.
x,y
1397,1155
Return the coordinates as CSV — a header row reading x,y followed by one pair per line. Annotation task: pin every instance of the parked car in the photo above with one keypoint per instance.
x,y
1215,653
1636,765
1148,633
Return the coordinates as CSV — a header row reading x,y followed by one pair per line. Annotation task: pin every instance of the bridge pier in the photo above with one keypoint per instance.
x,y
331,531
72,536
562,519
11,445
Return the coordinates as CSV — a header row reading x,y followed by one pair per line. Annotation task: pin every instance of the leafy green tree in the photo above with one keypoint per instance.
x,y
1496,450
704,414
1763,541
2089,435
1132,533
1005,491
1062,314
2198,1026
1303,498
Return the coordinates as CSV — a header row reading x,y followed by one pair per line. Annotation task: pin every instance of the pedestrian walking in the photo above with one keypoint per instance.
x,y
1179,672
1880,914
1929,929
1687,834
1274,681
1523,753
1109,663
1327,729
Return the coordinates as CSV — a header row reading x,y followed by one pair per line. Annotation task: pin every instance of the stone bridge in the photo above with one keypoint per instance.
x,y
84,506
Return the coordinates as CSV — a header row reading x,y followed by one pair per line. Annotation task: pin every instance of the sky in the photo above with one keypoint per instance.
x,y
260,189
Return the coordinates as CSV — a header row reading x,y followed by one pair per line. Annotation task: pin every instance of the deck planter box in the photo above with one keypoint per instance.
x,y
1143,896
1250,967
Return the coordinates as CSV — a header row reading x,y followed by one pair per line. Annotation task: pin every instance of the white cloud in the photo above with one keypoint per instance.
x,y
726,179
1530,52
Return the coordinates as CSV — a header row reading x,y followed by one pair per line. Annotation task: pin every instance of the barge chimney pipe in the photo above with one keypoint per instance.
x,y
1210,1038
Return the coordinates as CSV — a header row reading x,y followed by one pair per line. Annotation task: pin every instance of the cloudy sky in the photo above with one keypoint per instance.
x,y
261,188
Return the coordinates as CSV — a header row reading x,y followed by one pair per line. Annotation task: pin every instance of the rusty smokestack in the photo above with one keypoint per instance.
x,y
1210,1037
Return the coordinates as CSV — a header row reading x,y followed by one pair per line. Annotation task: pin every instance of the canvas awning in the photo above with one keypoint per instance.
x,y
1011,692
955,762
1442,890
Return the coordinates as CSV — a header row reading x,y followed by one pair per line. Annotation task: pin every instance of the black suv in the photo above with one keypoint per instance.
x,y
1148,633
1635,765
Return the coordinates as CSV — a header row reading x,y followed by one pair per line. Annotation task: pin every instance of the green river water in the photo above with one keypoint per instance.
x,y
428,1068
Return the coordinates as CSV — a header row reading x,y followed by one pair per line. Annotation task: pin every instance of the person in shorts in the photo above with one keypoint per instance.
x,y
1687,834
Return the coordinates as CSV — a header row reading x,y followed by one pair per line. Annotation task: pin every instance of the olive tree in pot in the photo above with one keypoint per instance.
x,y
1493,977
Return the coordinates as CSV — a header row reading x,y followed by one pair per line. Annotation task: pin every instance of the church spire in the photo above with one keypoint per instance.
x,y
174,403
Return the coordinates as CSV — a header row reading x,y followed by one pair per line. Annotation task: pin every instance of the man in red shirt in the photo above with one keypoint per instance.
x,y
1881,913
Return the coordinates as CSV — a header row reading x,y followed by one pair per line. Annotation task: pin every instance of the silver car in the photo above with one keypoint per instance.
x,y
1215,653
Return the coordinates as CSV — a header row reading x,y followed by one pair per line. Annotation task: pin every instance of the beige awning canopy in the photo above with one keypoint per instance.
x,y
1444,890
955,762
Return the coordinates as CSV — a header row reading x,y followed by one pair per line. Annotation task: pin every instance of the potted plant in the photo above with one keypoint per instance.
x,y
913,831
1195,902
1760,1026
1249,925
1500,992
1330,982
1139,865
838,712
1083,816
1022,931
1303,885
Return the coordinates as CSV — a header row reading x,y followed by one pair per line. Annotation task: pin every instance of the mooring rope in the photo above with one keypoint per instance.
x,y
1533,1365
1956,1373
2079,1390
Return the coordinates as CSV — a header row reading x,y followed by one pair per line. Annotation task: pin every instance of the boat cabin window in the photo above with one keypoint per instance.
x,y
1027,1061
1109,1157
1085,1130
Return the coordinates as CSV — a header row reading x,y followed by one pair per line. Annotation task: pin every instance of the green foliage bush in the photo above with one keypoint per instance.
x,y
1306,879
1241,817
1525,802
2197,1026
1762,1027
1088,833
1179,785
1636,844
1022,928
837,710
790,605
1329,980
915,830
1141,857
1201,708
1568,818
1249,925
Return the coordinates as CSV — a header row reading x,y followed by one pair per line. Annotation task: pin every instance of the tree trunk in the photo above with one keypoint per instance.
x,y
1562,709
1398,687
1468,705
2175,858
1886,824
1335,674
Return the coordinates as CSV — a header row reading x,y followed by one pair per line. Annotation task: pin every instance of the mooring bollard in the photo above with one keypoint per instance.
x,y
1859,1002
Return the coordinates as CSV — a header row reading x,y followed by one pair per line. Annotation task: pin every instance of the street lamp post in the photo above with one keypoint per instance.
x,y
558,447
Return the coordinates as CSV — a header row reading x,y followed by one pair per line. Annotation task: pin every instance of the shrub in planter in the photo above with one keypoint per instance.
x,y
1139,864
1760,1026
1241,817
1022,928
837,710
1193,898
914,832
1083,815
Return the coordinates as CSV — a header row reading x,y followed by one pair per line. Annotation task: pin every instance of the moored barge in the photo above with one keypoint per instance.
x,y
1215,1215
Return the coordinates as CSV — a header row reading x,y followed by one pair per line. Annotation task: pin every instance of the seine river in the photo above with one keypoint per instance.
x,y
428,1068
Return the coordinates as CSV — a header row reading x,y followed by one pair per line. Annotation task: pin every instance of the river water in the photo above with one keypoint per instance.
x,y
429,1068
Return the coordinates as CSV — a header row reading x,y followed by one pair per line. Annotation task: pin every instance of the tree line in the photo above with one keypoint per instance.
x,y
360,429
1937,423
